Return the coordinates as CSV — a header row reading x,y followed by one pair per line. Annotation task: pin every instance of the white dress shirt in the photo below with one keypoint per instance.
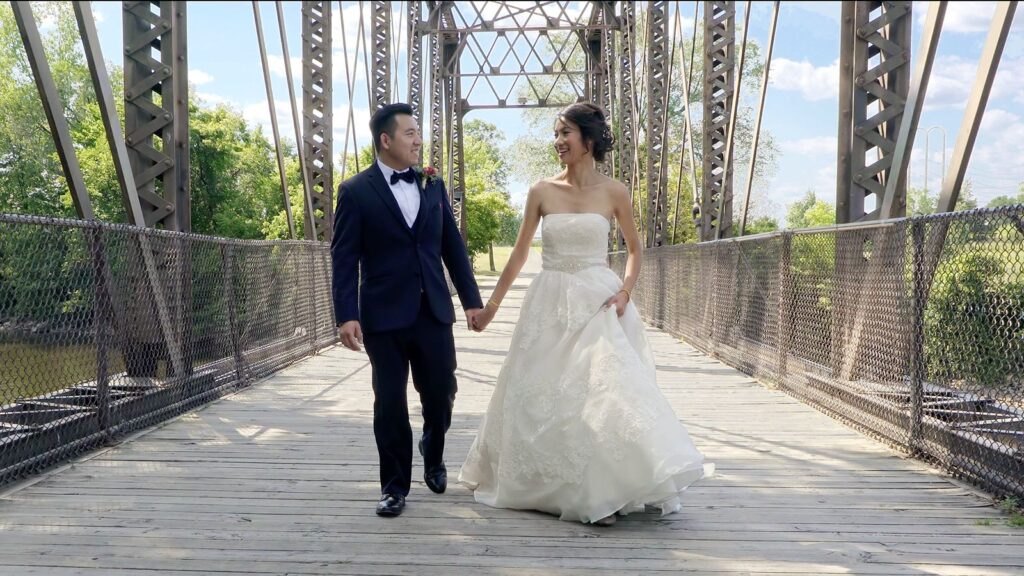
x,y
407,194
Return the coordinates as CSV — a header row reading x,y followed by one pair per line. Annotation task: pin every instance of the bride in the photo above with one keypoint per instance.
x,y
576,425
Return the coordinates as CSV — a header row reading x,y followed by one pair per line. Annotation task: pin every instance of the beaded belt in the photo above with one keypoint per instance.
x,y
572,267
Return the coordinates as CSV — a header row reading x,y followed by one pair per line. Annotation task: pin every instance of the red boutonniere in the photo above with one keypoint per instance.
x,y
428,174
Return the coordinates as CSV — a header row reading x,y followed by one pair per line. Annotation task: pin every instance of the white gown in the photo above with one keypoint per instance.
x,y
577,425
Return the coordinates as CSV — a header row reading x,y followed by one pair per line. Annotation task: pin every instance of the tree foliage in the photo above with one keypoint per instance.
x,y
809,212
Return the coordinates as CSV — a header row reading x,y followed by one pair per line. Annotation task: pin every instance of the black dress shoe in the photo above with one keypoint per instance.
x,y
390,505
435,477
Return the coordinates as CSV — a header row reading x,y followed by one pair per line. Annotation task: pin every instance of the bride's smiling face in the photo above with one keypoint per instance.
x,y
569,143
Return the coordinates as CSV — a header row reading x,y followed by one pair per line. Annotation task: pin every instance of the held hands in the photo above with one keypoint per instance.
x,y
484,317
619,300
471,317
352,335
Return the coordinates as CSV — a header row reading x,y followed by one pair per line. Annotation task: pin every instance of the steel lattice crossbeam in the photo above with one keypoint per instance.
x,y
317,112
719,85
874,91
156,110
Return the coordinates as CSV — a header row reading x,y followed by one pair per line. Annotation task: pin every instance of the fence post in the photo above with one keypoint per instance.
x,y
917,367
785,326
102,315
313,269
227,256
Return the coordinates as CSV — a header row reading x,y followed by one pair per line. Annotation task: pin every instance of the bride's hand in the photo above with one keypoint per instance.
x,y
619,300
484,318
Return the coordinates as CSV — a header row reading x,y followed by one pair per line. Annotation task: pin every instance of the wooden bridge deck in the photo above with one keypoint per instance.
x,y
281,479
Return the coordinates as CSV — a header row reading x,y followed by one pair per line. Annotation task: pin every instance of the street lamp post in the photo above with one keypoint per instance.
x,y
927,139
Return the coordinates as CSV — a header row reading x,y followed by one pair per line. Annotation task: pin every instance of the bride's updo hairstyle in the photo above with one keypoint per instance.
x,y
593,126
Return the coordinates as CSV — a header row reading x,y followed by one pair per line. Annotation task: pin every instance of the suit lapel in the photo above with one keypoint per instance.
x,y
385,193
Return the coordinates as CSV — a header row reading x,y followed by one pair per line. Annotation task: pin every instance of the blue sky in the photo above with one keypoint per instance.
x,y
800,110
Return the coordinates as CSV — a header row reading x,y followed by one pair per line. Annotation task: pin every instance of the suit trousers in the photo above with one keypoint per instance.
x,y
428,348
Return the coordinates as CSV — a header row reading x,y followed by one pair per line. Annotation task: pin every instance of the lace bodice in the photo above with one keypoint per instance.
x,y
574,241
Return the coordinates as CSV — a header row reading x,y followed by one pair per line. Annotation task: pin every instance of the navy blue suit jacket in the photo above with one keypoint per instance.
x,y
398,263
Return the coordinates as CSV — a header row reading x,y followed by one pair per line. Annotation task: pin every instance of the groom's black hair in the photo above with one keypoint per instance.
x,y
383,121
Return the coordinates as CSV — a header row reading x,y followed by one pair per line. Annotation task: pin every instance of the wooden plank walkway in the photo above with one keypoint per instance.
x,y
281,479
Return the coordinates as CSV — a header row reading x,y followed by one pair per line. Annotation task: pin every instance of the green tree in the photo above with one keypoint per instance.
x,y
31,179
761,225
486,176
921,203
1008,200
809,212
510,225
235,186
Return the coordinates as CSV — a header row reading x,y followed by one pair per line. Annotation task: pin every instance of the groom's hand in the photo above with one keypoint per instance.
x,y
471,317
352,335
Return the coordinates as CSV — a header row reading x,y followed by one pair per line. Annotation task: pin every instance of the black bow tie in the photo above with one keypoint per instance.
x,y
409,176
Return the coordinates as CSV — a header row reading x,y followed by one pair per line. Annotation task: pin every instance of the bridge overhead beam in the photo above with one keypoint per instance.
x,y
519,55
874,83
317,112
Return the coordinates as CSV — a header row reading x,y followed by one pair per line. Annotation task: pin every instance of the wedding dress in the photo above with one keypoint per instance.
x,y
577,425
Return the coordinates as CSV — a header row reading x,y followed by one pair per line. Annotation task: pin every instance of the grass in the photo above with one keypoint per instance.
x,y
1011,505
482,262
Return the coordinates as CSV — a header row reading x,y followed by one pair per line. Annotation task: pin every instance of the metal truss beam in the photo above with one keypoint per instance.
x,y
989,63
108,111
657,75
719,85
317,112
381,86
156,110
626,161
876,47
415,61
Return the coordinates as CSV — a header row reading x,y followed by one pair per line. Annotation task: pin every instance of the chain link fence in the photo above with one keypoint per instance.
x,y
105,329
911,330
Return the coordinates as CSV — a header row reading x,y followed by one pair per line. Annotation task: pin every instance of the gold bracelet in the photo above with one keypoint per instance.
x,y
491,301
628,294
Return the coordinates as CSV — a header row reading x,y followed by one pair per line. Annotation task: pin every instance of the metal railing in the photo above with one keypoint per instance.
x,y
108,328
911,329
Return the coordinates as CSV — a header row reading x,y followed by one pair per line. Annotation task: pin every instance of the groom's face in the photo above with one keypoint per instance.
x,y
403,145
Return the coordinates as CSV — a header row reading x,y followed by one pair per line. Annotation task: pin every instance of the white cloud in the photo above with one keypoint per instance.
x,y
1009,81
950,83
967,17
830,10
360,127
259,113
953,79
815,146
98,16
276,64
198,77
213,99
351,18
813,82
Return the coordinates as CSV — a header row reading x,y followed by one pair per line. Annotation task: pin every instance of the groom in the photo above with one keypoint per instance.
x,y
397,226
